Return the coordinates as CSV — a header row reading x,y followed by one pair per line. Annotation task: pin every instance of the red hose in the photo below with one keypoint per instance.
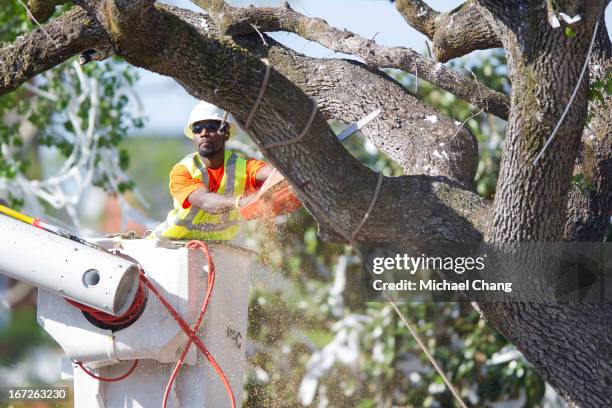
x,y
107,379
192,333
196,326
129,316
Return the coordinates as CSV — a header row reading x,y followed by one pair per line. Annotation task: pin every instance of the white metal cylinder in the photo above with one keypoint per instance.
x,y
67,268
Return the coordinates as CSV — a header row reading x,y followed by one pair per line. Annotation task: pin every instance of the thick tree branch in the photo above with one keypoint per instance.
x,y
73,32
43,9
462,31
410,132
239,21
129,23
543,81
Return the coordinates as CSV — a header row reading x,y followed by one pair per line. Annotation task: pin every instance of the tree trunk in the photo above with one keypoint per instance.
x,y
564,342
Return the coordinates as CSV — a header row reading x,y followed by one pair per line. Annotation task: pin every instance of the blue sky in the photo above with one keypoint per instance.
x,y
167,105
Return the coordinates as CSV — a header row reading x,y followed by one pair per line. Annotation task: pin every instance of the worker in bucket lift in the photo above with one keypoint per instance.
x,y
210,185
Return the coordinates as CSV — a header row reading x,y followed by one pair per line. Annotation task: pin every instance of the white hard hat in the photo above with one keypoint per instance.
x,y
204,111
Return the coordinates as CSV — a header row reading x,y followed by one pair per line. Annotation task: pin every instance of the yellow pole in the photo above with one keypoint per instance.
x,y
17,215
36,222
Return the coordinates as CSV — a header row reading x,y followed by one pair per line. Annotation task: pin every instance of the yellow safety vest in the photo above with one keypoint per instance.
x,y
193,223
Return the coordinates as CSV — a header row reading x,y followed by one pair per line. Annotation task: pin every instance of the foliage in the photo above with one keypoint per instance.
x,y
153,179
20,335
582,184
599,90
79,113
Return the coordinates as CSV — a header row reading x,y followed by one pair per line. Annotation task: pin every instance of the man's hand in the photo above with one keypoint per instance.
x,y
263,174
214,203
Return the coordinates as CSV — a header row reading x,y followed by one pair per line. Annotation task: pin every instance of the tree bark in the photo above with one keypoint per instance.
x,y
531,199
419,15
453,34
590,205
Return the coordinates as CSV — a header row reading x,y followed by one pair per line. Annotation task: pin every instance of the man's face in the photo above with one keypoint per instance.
x,y
208,138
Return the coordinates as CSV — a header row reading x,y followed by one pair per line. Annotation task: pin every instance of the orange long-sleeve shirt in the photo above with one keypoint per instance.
x,y
182,184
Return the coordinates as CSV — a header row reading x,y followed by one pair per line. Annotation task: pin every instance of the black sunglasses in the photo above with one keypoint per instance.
x,y
210,127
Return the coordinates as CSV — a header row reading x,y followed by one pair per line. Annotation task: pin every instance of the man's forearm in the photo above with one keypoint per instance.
x,y
215,203
211,202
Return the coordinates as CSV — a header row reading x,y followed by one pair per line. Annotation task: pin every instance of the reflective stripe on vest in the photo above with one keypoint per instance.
x,y
193,223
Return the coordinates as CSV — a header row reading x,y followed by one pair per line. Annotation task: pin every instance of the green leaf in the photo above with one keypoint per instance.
x,y
582,184
366,403
124,159
569,32
595,94
125,186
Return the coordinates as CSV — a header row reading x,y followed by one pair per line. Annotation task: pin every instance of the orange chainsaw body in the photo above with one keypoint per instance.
x,y
274,198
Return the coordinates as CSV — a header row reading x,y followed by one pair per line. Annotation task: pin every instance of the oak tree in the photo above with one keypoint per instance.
x,y
284,100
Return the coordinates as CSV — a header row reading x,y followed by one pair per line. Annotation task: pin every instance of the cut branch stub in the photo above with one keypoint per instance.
x,y
419,15
453,34
70,34
462,31
42,10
